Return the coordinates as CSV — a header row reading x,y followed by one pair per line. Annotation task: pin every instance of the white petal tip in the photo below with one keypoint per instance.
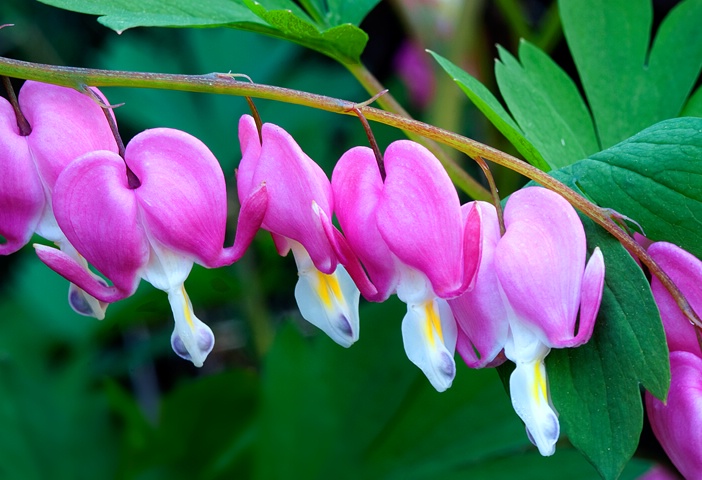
x,y
198,350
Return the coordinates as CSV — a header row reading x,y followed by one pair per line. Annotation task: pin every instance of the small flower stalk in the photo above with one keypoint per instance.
x,y
534,292
414,240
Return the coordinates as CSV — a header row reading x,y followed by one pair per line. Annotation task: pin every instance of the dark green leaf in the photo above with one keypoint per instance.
x,y
547,105
595,387
655,178
629,87
494,111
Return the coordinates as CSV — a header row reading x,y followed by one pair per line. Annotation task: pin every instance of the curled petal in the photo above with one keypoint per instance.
x,y
590,299
182,194
250,144
481,313
250,218
429,335
74,272
65,125
191,338
357,189
98,213
686,272
327,301
419,216
540,262
676,422
21,191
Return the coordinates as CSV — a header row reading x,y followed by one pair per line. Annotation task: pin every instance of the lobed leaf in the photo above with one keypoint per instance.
x,y
547,105
486,102
628,86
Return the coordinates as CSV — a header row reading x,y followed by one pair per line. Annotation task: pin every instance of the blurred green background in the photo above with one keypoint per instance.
x,y
82,399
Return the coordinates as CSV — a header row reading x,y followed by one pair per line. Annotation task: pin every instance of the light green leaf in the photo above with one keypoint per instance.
x,y
547,105
494,111
121,15
342,42
693,107
627,86
343,11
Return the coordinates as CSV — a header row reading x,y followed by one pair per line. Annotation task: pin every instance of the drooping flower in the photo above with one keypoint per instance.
x,y
174,216
411,236
65,124
676,422
298,216
534,292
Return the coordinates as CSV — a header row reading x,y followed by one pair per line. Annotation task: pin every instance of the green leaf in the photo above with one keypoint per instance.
x,y
486,102
627,86
547,105
121,15
693,107
343,11
344,43
278,18
595,388
655,178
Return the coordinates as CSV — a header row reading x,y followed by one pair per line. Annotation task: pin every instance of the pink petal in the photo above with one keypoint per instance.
x,y
21,193
65,125
590,299
293,182
685,270
250,152
481,313
98,212
676,423
250,218
540,262
182,195
357,188
419,216
71,270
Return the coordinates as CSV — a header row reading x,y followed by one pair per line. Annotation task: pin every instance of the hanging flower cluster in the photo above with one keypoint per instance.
x,y
154,209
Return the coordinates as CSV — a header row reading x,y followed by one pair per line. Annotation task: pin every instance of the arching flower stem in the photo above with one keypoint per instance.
x,y
223,84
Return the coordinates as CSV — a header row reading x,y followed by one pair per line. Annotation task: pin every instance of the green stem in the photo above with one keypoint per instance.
x,y
459,176
224,84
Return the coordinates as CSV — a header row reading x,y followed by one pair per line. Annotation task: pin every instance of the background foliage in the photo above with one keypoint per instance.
x,y
82,399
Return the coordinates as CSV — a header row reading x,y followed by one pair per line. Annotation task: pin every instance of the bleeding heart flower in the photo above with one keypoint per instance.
x,y
153,226
64,124
298,215
411,236
533,293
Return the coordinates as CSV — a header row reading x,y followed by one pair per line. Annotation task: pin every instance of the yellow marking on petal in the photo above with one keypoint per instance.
x,y
539,383
432,322
186,308
328,286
